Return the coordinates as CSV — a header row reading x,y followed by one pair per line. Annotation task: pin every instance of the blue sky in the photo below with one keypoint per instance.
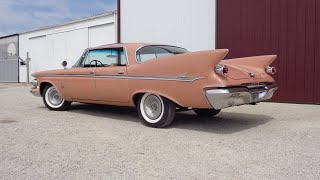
x,y
22,15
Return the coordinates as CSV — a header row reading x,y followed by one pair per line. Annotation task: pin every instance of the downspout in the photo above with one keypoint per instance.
x,y
18,58
115,26
118,21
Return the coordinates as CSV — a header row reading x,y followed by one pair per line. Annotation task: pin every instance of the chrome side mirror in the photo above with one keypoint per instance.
x,y
64,64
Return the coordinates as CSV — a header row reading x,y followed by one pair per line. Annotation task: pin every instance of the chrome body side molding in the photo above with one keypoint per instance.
x,y
181,79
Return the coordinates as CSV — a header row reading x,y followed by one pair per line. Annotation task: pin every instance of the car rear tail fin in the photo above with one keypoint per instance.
x,y
250,67
256,61
193,64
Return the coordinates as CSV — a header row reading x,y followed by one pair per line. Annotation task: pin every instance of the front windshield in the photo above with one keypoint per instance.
x,y
150,52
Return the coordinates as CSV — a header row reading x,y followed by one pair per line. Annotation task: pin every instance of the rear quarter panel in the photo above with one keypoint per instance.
x,y
195,66
192,65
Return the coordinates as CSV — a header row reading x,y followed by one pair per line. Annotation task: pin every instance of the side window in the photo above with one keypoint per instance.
x,y
78,63
151,52
105,58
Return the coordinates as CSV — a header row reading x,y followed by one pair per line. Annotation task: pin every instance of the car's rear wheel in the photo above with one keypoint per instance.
x,y
156,111
206,112
53,100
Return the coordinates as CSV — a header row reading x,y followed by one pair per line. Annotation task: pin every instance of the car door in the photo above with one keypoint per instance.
x,y
78,82
111,76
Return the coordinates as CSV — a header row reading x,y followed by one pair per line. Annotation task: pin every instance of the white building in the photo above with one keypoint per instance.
x,y
187,23
49,46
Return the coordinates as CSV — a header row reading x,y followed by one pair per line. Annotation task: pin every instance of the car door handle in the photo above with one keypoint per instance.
x,y
92,72
120,72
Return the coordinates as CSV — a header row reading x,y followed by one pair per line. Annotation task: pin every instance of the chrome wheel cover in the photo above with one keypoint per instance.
x,y
53,98
152,107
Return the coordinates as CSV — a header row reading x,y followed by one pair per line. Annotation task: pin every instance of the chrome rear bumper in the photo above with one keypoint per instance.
x,y
228,97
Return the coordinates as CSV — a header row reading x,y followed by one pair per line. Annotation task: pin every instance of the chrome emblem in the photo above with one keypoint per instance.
x,y
62,85
252,75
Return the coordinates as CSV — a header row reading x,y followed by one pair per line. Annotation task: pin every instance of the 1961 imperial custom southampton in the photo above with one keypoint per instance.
x,y
159,80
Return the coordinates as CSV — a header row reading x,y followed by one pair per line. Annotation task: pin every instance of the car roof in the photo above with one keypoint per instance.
x,y
117,45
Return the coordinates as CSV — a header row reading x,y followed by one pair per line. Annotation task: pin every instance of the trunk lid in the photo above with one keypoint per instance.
x,y
248,68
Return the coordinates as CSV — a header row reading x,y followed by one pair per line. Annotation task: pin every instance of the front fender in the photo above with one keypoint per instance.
x,y
55,83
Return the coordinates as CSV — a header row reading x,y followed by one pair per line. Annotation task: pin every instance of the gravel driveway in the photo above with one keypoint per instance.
x,y
267,141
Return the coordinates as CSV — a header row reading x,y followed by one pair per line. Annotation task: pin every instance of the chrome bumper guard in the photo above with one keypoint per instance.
x,y
34,84
228,97
35,89
36,92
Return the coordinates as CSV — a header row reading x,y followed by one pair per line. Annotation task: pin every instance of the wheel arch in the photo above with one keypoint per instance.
x,y
137,95
45,83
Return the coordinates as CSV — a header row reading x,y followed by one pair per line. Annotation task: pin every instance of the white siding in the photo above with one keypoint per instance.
x,y
39,52
187,23
99,35
49,47
67,46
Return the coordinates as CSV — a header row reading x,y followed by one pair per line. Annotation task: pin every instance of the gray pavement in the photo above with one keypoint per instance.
x,y
267,141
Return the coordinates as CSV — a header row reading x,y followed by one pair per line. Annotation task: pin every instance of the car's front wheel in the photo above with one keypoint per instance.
x,y
156,111
53,100
206,113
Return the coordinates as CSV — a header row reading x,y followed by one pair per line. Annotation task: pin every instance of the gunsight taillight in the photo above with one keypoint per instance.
x,y
221,69
271,70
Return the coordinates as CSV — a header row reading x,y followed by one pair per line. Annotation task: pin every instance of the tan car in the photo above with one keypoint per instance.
x,y
159,80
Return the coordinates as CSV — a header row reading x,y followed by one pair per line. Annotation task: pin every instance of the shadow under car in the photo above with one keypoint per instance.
x,y
223,123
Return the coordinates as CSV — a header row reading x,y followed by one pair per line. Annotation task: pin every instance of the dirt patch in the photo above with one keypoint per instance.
x,y
7,121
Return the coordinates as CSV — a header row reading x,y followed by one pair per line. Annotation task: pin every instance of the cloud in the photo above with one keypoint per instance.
x,y
23,15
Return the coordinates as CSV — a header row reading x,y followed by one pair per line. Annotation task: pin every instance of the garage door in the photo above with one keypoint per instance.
x,y
9,63
288,28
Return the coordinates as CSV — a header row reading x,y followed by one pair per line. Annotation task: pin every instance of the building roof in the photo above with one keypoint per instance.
x,y
64,24
10,35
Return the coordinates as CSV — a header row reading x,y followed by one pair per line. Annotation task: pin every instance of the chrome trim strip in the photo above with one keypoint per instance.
x,y
135,54
181,79
64,75
255,85
126,54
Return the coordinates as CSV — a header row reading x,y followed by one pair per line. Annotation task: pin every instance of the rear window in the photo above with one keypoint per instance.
x,y
151,52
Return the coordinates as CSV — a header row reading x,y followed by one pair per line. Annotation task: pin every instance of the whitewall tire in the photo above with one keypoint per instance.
x,y
156,111
53,100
